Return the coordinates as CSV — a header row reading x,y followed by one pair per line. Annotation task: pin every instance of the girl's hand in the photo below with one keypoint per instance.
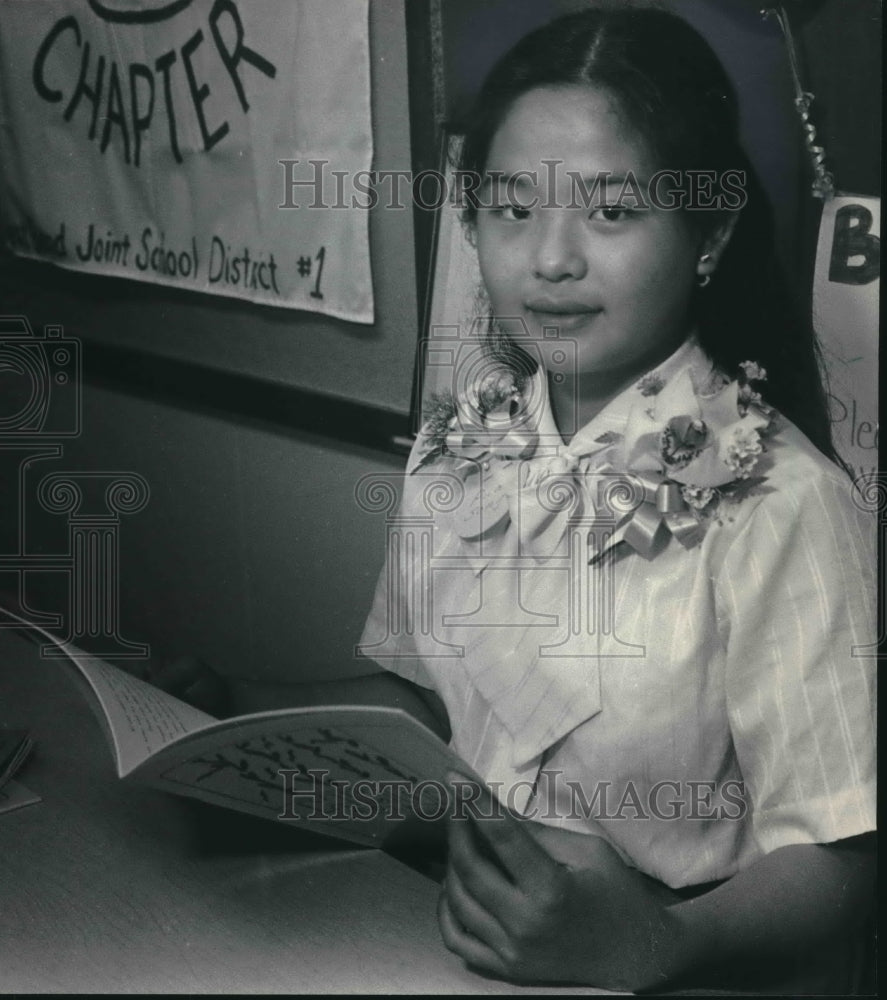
x,y
509,908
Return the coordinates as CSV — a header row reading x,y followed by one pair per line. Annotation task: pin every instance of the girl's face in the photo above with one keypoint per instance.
x,y
616,281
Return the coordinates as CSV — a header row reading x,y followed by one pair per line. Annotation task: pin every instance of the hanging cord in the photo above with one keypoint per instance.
x,y
823,182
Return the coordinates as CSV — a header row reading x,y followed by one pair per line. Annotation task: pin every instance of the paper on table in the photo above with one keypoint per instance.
x,y
15,748
14,795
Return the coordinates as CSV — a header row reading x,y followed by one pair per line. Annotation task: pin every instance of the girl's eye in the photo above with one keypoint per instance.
x,y
513,213
611,213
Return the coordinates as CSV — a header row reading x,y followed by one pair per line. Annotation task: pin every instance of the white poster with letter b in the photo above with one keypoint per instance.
x,y
845,314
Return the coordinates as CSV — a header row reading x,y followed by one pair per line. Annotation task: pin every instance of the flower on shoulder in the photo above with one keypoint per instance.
x,y
651,384
440,410
752,371
743,451
694,446
479,422
695,439
682,440
697,497
747,395
440,415
496,389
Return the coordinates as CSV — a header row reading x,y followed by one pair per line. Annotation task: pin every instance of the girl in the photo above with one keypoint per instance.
x,y
647,586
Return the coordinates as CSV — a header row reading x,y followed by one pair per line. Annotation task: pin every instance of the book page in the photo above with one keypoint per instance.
x,y
354,772
139,719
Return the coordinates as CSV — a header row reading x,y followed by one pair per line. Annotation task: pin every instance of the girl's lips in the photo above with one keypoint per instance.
x,y
565,315
544,304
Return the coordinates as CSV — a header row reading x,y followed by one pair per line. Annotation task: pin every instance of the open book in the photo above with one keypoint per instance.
x,y
354,772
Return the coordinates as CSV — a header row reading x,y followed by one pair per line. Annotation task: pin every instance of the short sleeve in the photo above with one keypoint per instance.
x,y
389,634
796,599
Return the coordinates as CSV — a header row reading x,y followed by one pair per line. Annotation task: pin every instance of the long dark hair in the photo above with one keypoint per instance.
x,y
672,88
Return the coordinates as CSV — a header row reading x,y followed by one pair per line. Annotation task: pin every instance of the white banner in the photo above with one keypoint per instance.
x,y
845,313
162,140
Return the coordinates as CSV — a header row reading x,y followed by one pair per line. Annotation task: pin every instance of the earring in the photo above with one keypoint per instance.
x,y
704,279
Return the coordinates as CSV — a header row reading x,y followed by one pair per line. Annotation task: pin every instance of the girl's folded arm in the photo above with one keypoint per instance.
x,y
791,902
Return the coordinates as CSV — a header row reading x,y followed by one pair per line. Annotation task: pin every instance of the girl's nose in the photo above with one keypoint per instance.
x,y
558,252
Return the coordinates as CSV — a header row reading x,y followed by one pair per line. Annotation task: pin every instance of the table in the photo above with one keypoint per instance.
x,y
110,888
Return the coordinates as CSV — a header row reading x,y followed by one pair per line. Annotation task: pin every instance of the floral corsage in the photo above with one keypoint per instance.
x,y
695,450
481,422
688,452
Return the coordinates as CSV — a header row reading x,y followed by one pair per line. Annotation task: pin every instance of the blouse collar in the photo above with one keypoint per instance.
x,y
613,417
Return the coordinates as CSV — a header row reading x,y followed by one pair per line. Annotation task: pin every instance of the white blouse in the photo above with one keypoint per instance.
x,y
699,704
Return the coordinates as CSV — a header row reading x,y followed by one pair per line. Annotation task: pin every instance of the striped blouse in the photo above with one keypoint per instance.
x,y
698,705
